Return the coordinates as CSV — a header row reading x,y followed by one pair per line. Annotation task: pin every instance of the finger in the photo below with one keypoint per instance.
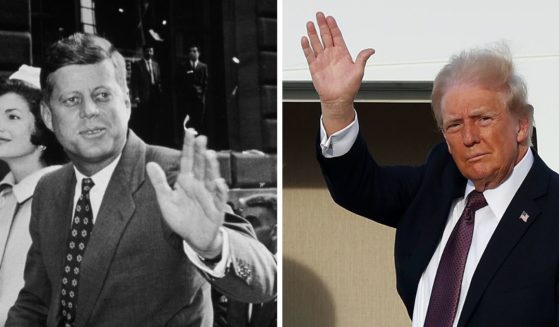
x,y
198,167
325,34
363,56
309,54
337,37
158,180
221,193
313,37
212,169
187,155
214,183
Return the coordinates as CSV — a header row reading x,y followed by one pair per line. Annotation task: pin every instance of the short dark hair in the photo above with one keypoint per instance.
x,y
53,153
266,200
80,49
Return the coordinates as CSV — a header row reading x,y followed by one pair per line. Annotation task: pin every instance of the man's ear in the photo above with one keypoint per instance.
x,y
46,114
523,131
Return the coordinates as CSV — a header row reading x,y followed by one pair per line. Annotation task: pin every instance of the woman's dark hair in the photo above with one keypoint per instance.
x,y
53,153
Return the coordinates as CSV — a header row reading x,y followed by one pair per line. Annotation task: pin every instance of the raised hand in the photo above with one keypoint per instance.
x,y
195,207
336,77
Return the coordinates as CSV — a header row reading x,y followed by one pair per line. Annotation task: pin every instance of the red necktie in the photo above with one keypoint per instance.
x,y
448,281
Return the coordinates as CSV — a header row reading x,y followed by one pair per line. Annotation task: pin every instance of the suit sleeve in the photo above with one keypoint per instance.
x,y
251,275
31,307
357,183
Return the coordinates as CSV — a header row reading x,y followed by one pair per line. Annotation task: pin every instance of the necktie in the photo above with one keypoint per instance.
x,y
150,68
448,280
82,225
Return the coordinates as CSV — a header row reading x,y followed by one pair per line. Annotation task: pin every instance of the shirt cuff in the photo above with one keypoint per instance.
x,y
340,142
219,269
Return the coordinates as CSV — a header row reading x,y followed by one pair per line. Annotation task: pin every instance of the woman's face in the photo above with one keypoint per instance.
x,y
16,126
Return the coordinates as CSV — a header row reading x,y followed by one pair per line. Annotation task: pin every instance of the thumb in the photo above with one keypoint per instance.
x,y
363,56
158,179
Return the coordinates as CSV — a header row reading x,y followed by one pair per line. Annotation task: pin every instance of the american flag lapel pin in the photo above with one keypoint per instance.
x,y
524,216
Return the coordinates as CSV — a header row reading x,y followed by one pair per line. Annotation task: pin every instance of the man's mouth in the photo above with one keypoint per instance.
x,y
476,156
92,131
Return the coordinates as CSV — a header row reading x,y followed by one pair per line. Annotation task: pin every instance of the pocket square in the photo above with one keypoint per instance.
x,y
524,216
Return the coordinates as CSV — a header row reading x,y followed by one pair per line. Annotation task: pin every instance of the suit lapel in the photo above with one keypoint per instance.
x,y
425,234
114,215
57,222
509,231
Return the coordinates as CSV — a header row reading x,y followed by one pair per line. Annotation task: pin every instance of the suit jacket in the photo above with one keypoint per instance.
x,y
194,80
134,272
231,313
516,280
141,80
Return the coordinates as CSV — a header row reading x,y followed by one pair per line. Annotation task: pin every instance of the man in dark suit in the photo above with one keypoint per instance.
x,y
146,92
476,225
113,243
261,211
193,82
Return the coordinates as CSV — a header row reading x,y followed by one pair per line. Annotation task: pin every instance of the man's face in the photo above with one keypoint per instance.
x,y
193,54
266,219
486,141
148,53
88,111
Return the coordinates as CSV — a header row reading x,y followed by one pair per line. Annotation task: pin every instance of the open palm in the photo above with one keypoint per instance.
x,y
195,206
336,77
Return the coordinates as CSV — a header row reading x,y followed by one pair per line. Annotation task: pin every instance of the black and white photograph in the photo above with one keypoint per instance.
x,y
138,163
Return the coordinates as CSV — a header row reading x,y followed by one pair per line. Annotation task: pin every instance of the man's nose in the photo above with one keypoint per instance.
x,y
89,109
470,134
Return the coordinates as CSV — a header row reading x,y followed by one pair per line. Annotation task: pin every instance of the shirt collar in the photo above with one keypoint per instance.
x,y
25,188
102,177
499,198
9,179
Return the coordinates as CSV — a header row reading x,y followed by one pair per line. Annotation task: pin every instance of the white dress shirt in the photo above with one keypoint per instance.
x,y
15,213
101,180
486,219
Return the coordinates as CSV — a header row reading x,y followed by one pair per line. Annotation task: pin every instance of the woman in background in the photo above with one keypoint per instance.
x,y
30,150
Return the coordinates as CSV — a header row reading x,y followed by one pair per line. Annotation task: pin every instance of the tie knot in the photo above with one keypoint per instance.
x,y
476,201
87,184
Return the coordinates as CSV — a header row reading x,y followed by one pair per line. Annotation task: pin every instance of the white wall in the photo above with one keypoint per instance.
x,y
413,39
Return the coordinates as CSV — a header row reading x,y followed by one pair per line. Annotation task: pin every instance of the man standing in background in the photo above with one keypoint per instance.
x,y
193,83
146,93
